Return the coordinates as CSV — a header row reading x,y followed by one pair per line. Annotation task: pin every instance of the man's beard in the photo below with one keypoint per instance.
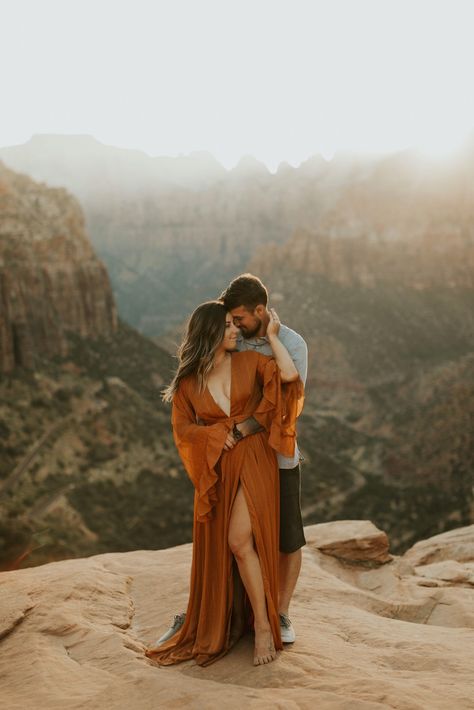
x,y
247,333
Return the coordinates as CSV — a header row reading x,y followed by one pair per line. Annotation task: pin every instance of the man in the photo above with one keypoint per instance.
x,y
246,298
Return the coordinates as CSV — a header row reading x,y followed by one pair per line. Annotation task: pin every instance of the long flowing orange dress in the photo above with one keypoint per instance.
x,y
218,608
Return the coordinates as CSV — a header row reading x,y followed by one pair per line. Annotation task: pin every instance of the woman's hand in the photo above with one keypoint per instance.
x,y
273,327
288,370
230,442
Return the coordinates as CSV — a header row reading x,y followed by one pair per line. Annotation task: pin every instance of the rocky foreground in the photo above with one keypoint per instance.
x,y
373,630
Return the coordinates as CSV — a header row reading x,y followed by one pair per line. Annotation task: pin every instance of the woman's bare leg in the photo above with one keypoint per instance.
x,y
241,544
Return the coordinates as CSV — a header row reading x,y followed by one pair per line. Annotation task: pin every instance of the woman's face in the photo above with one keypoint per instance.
x,y
231,333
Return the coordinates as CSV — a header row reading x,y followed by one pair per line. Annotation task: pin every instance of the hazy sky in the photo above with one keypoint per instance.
x,y
280,80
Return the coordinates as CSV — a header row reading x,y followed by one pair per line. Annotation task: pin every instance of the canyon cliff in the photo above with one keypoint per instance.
x,y
83,431
51,280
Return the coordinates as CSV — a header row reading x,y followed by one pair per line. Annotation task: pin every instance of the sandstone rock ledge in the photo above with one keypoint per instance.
x,y
397,633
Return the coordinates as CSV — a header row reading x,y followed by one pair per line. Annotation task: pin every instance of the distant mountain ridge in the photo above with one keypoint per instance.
x,y
87,167
441,258
174,231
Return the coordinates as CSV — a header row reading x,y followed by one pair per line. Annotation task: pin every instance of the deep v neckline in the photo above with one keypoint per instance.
x,y
231,384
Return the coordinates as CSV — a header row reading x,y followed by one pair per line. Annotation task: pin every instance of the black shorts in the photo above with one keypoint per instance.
x,y
291,523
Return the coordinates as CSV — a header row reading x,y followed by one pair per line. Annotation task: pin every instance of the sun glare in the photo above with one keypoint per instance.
x,y
441,148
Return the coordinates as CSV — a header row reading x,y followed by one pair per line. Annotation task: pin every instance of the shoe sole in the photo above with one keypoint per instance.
x,y
169,634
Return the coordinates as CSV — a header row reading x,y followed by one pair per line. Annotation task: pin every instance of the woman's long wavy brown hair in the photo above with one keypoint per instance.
x,y
204,333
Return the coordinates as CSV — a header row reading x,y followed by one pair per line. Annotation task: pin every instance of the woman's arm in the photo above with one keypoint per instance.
x,y
288,370
198,446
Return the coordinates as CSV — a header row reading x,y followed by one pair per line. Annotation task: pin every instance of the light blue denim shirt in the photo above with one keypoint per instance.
x,y
298,351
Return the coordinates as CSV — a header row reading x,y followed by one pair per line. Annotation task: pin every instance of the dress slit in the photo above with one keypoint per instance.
x,y
260,548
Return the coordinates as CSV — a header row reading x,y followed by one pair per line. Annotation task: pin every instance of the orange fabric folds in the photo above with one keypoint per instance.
x,y
199,447
280,406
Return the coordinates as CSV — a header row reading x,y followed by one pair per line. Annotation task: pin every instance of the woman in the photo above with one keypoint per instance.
x,y
234,572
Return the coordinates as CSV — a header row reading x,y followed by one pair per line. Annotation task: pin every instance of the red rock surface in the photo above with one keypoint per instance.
x,y
73,636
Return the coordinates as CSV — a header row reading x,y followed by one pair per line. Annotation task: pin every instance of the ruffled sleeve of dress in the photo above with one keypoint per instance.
x,y
200,448
280,406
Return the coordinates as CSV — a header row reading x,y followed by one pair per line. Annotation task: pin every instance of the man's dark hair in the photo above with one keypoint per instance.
x,y
246,290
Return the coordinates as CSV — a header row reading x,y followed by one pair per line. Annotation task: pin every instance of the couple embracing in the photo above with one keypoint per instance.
x,y
236,395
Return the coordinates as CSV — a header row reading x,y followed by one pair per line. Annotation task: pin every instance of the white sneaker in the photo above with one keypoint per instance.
x,y
287,631
173,629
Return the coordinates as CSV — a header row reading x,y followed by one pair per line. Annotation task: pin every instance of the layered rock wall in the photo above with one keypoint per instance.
x,y
51,280
434,261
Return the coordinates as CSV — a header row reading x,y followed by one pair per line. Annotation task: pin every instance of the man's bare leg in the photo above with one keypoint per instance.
x,y
242,546
290,566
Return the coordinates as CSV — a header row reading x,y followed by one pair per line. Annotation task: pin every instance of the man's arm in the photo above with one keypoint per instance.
x,y
249,426
299,355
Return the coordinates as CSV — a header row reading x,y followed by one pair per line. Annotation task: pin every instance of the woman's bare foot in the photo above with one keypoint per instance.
x,y
264,647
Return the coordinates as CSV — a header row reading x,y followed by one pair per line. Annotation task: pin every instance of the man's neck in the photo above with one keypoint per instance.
x,y
261,333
